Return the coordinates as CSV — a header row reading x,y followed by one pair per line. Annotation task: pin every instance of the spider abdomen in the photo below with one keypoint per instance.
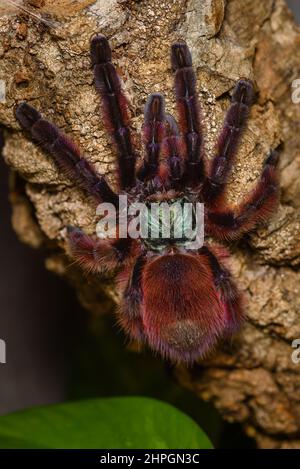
x,y
182,315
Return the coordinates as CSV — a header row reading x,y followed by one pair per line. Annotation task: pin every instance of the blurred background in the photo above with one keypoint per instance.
x,y
295,7
53,349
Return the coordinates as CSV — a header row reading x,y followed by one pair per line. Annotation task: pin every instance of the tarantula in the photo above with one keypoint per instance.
x,y
178,301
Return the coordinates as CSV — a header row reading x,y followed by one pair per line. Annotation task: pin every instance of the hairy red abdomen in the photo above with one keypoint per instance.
x,y
182,313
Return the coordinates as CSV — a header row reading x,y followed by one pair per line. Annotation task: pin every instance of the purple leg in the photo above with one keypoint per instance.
x,y
153,132
189,113
115,109
130,317
228,293
65,154
96,255
231,223
173,151
229,139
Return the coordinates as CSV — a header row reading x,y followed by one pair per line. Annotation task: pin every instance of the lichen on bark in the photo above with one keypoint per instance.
x,y
253,379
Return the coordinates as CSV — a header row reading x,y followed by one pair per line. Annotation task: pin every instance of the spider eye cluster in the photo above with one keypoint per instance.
x,y
168,223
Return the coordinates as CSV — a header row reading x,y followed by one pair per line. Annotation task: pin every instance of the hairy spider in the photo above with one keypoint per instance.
x,y
178,301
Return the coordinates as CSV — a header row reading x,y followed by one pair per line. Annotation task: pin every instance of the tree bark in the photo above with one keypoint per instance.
x,y
252,380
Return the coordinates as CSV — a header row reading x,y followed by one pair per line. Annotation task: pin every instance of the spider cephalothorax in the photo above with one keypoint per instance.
x,y
178,300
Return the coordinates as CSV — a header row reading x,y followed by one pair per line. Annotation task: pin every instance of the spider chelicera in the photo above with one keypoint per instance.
x,y
180,302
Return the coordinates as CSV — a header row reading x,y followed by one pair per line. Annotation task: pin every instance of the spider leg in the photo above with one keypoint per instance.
x,y
227,291
189,113
65,154
172,150
153,132
228,223
95,255
115,109
130,316
228,141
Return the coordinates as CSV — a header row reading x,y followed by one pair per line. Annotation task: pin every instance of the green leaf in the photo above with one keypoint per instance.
x,y
121,422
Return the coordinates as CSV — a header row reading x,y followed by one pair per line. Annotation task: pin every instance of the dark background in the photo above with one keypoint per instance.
x,y
53,352
295,7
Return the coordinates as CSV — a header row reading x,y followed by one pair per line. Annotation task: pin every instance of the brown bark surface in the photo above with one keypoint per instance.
x,y
252,380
